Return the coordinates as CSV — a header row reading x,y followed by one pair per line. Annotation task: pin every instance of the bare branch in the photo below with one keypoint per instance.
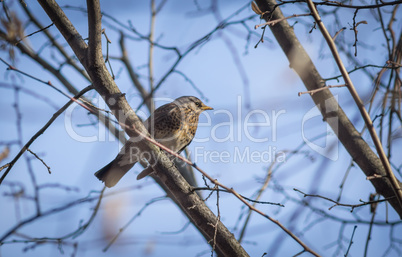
x,y
394,182
138,214
299,60
336,203
273,22
189,201
43,129
42,161
66,28
351,241
231,190
312,92
33,33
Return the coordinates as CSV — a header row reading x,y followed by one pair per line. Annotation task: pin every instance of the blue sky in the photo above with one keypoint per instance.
x,y
267,86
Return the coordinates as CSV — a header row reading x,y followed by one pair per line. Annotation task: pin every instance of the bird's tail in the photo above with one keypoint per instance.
x,y
113,172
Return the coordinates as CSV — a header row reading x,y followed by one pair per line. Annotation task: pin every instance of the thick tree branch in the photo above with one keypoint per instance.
x,y
95,55
92,60
349,84
66,28
325,101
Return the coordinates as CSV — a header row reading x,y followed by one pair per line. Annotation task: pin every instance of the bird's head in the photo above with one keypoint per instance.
x,y
193,103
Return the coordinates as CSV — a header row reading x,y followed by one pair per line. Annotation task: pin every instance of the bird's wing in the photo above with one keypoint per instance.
x,y
162,121
165,125
156,113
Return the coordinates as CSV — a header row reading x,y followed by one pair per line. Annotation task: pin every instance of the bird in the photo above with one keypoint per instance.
x,y
172,125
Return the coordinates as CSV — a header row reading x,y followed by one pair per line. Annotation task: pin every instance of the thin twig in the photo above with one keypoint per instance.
x,y
312,92
341,186
49,212
336,203
272,23
43,129
351,241
375,176
247,198
218,218
260,192
373,213
37,157
33,33
48,83
337,33
133,76
121,230
69,60
107,60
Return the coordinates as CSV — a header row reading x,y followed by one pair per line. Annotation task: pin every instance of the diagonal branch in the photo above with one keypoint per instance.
x,y
233,192
95,55
359,103
66,28
190,203
68,85
351,139
54,42
133,76
41,131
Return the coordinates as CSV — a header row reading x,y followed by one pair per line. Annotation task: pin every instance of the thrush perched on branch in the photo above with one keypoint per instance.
x,y
173,125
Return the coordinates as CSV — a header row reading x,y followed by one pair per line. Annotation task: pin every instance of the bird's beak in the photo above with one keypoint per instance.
x,y
204,108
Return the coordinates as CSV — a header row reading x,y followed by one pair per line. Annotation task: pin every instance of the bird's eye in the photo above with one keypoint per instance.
x,y
198,104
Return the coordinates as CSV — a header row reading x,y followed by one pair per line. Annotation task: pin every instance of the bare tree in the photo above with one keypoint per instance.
x,y
369,135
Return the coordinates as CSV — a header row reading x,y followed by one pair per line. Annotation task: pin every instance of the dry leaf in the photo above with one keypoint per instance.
x,y
255,8
5,153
